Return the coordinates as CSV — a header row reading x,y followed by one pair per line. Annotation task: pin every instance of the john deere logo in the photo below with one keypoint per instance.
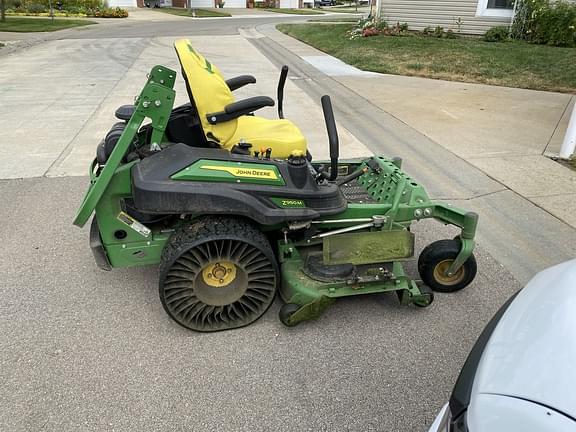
x,y
231,172
253,172
243,172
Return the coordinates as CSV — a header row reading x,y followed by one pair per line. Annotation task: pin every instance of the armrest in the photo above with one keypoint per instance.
x,y
125,112
240,108
240,81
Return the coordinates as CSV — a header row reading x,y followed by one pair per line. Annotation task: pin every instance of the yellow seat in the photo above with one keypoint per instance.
x,y
282,136
210,94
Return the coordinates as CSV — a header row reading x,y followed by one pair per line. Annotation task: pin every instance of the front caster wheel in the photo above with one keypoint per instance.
x,y
286,311
217,273
436,259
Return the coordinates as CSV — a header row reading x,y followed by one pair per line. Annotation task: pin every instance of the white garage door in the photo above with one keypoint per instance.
x,y
122,3
289,4
234,4
203,3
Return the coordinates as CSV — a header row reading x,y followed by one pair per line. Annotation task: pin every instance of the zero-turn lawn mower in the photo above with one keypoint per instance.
x,y
234,209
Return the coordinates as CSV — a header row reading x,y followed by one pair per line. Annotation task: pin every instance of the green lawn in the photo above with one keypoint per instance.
x,y
349,10
200,13
304,11
13,24
511,64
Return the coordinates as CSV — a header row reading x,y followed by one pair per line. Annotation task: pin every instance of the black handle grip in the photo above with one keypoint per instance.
x,y
332,136
281,82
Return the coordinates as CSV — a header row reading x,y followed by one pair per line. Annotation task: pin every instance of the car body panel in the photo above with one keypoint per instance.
x,y
532,352
520,375
497,413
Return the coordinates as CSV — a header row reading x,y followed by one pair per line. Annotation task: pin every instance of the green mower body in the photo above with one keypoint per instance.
x,y
231,228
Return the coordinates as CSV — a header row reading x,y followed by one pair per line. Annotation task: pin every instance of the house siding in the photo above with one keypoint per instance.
x,y
420,14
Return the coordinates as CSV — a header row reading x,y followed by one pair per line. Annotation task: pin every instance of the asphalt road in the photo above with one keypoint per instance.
x,y
84,349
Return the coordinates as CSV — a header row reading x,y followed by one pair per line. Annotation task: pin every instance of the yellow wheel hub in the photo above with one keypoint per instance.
x,y
219,274
441,276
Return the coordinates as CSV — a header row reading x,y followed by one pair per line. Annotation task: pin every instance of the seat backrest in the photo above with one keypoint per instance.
x,y
207,89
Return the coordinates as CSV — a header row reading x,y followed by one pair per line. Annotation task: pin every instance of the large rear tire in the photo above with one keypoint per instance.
x,y
217,273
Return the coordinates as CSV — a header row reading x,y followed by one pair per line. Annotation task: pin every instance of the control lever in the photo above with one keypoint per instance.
x,y
332,138
280,92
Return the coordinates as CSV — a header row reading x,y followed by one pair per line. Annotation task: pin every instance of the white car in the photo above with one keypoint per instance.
x,y
521,374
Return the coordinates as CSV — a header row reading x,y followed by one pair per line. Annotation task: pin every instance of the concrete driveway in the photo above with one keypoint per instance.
x,y
89,350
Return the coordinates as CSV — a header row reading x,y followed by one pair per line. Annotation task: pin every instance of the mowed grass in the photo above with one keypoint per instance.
x,y
200,13
511,64
304,11
349,10
17,24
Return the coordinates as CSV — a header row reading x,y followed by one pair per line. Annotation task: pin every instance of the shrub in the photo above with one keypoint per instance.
x,y
374,27
367,27
66,4
116,12
36,8
396,30
551,22
428,31
497,34
438,32
370,31
75,10
14,4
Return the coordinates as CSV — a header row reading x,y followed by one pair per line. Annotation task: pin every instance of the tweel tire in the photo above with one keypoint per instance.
x,y
217,273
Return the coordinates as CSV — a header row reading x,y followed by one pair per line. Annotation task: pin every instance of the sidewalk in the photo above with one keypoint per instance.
x,y
505,132
83,108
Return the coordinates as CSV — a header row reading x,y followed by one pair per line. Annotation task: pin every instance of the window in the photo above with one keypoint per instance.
x,y
495,8
500,4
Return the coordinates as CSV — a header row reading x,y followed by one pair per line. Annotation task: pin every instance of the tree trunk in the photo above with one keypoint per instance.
x,y
2,10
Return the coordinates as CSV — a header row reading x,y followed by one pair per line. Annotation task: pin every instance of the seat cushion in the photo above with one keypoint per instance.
x,y
282,136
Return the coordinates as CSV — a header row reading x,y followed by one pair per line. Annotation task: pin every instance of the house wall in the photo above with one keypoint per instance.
x,y
420,14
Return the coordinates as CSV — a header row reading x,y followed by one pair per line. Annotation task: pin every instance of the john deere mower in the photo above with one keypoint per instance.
x,y
233,208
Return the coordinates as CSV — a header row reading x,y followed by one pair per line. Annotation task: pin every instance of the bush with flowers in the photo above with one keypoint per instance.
x,y
75,8
545,22
373,26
